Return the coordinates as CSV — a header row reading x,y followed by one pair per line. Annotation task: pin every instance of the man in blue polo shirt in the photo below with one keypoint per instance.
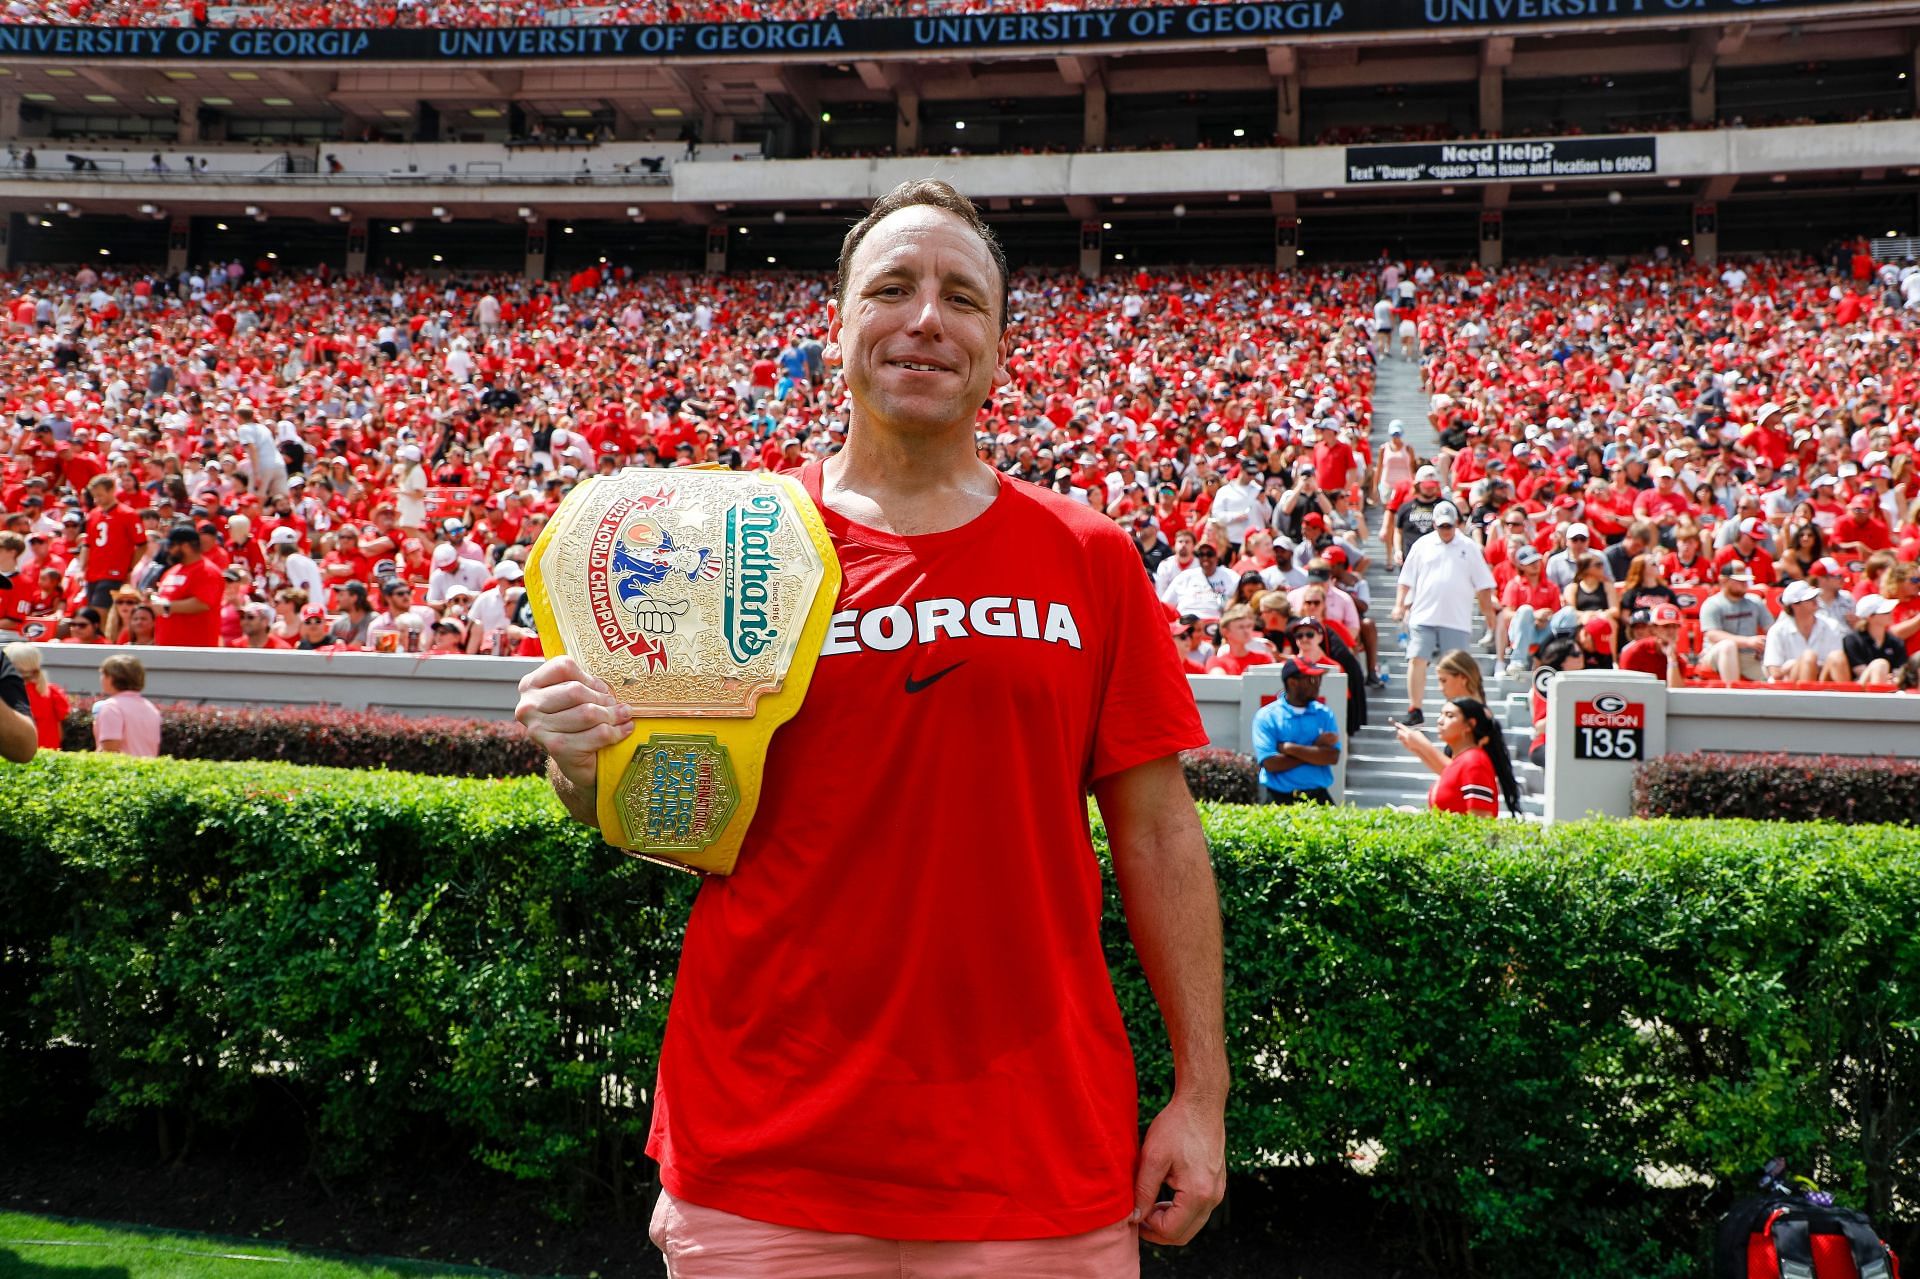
x,y
1297,739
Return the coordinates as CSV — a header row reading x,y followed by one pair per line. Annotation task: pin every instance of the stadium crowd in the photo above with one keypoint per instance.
x,y
506,13
1645,460
240,457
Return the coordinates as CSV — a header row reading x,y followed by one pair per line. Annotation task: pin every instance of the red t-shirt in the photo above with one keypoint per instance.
x,y
1646,656
1468,786
114,539
1227,664
895,1017
200,580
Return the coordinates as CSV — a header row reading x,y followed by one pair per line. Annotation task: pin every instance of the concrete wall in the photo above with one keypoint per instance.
x,y
1684,720
1728,152
485,687
475,687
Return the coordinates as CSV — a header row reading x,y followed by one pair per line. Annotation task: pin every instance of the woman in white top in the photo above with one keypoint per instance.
x,y
411,496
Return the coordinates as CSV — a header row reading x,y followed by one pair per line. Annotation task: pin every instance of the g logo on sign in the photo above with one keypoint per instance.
x,y
1609,703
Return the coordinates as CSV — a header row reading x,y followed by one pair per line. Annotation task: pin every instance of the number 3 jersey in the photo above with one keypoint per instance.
x,y
895,1017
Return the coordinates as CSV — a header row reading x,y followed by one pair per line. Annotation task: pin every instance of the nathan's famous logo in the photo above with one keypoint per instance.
x,y
751,527
638,576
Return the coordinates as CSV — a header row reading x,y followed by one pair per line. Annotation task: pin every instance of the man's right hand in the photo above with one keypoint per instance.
x,y
573,716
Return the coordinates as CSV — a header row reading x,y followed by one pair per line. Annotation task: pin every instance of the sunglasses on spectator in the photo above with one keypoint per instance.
x,y
80,625
1208,552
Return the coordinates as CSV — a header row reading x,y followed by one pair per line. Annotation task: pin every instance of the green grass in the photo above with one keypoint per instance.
x,y
56,1248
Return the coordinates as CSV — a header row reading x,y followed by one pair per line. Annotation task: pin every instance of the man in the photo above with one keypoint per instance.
x,y
1621,554
256,628
1202,589
777,1080
1297,739
313,631
1526,604
1804,647
1240,506
1749,551
1564,565
451,569
114,539
1733,628
1414,518
1442,578
189,594
1655,644
1171,566
1239,648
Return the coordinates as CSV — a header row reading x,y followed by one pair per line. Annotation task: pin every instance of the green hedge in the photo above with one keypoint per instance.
x,y
1854,789
1517,1021
331,737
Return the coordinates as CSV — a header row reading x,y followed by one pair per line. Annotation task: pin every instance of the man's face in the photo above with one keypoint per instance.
x,y
1303,690
1208,557
920,341
1735,587
1238,631
254,626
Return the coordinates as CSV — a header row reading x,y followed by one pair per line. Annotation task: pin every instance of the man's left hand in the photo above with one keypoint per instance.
x,y
1185,1148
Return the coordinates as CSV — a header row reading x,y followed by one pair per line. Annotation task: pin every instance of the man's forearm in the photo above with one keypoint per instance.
x,y
580,805
18,737
1173,914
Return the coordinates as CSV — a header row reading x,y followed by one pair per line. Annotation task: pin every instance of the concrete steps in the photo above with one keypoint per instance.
x,y
1381,773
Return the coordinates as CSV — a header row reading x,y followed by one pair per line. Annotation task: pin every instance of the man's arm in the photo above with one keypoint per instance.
x,y
1325,751
1173,913
18,737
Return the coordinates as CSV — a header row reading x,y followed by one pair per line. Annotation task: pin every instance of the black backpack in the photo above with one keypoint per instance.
x,y
1789,1232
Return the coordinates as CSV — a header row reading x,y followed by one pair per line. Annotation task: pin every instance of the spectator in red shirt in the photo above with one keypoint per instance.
x,y
1747,549
189,594
1860,531
256,628
1475,770
115,538
1526,604
1653,645
1239,650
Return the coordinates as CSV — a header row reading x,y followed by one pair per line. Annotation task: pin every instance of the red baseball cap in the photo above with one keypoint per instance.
x,y
1663,614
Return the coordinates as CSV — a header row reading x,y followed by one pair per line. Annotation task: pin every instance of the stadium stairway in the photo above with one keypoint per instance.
x,y
1380,772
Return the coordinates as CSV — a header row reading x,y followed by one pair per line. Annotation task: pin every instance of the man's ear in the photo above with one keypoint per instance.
x,y
830,352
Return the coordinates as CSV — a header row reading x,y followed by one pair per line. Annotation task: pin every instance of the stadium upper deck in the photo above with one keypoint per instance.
x,y
1695,125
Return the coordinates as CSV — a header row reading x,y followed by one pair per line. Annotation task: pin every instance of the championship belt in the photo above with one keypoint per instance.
x,y
701,598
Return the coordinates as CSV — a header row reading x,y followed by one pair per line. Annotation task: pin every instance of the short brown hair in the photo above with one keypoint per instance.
x,y
934,194
126,672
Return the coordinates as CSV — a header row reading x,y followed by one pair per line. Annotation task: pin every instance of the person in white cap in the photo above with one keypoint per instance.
x,y
285,557
410,494
489,611
1802,646
451,569
1442,578
1564,564
1874,654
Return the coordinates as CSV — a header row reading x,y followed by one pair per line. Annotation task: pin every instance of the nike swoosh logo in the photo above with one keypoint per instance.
x,y
915,685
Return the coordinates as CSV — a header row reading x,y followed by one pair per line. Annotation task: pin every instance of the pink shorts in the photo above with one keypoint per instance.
x,y
706,1243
